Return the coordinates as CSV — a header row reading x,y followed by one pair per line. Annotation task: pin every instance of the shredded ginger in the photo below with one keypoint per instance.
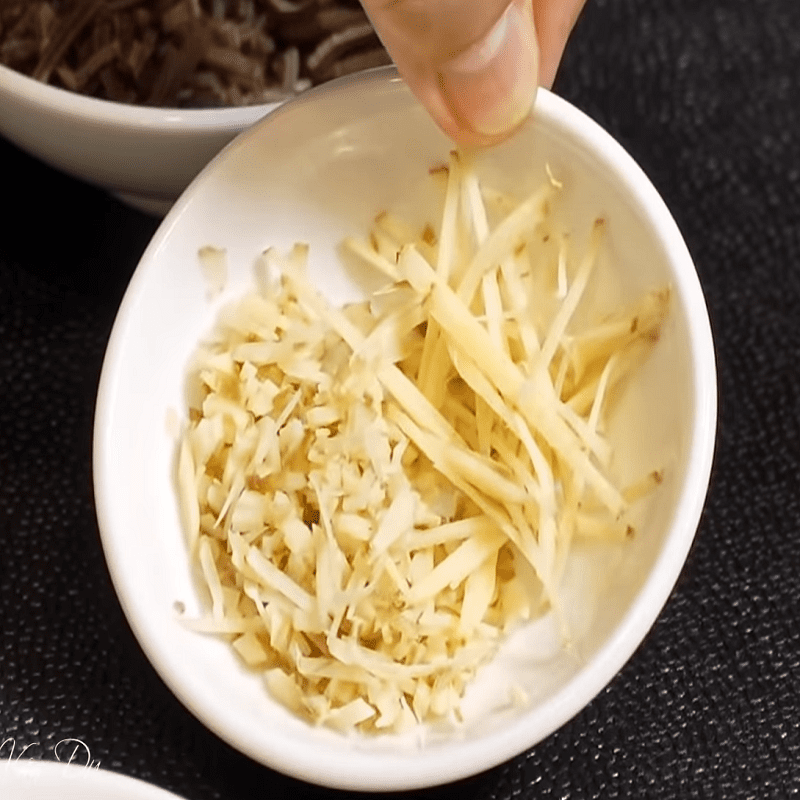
x,y
376,494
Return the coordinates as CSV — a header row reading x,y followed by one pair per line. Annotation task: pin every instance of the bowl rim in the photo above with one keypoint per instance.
x,y
26,777
506,743
110,112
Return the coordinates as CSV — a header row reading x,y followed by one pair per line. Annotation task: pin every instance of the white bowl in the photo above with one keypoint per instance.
x,y
319,168
147,156
21,779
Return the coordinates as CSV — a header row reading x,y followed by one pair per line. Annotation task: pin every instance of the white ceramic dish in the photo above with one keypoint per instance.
x,y
319,168
146,156
23,779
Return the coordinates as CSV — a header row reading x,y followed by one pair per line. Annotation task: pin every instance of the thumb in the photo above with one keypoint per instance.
x,y
472,63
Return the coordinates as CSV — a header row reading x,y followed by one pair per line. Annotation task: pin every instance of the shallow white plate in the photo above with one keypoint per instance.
x,y
315,170
25,779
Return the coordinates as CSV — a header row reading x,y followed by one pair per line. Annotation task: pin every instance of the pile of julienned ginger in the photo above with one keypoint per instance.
x,y
376,494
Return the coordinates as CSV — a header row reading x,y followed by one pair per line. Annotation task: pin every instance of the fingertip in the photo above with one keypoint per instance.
x,y
554,24
490,88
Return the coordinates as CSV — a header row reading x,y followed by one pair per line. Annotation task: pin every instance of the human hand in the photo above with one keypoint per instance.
x,y
475,64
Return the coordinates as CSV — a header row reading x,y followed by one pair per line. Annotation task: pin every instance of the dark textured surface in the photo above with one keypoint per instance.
x,y
706,95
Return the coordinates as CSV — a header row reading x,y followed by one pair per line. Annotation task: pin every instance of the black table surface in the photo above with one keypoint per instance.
x,y
705,94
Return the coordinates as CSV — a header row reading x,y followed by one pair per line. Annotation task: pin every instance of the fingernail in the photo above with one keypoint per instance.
x,y
490,87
